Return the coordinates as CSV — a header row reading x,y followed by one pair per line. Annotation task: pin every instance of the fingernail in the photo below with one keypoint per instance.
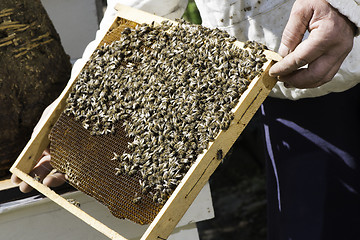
x,y
283,50
272,73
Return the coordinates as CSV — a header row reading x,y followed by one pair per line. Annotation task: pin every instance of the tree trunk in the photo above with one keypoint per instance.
x,y
34,69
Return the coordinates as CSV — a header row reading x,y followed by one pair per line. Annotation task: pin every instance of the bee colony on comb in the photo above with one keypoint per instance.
x,y
150,116
167,90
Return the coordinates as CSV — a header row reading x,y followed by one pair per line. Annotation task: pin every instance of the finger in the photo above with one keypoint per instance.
x,y
317,74
24,187
54,180
305,53
46,151
295,28
46,172
15,179
40,171
43,168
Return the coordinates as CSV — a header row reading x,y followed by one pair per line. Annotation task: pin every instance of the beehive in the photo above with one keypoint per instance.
x,y
93,155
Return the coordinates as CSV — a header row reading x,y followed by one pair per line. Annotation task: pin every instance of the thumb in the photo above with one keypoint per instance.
x,y
296,27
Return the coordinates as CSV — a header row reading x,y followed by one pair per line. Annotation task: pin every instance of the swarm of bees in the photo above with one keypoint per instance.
x,y
173,86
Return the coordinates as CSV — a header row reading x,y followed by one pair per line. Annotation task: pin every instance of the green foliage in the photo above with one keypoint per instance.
x,y
192,13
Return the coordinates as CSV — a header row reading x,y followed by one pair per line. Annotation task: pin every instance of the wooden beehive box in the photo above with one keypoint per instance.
x,y
195,178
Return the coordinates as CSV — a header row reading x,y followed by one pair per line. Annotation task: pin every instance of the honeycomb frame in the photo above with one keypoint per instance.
x,y
200,171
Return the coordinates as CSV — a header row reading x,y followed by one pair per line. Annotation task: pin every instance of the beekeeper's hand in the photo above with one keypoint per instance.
x,y
330,40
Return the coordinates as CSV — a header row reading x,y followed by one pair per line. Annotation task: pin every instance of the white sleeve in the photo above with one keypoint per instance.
x,y
348,8
165,8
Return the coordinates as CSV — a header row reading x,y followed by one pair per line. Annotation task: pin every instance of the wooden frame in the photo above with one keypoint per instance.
x,y
194,180
6,184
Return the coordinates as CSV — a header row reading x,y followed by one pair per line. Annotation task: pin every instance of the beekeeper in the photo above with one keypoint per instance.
x,y
312,117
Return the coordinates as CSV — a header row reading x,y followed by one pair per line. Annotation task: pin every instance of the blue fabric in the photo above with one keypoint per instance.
x,y
313,166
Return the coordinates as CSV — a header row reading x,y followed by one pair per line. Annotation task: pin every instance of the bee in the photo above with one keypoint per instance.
x,y
136,200
73,202
37,178
219,154
118,171
116,157
145,190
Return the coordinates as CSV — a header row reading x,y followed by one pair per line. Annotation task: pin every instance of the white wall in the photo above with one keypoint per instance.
x,y
76,22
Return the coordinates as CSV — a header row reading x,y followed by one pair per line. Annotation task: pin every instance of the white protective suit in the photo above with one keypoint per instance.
x,y
259,20
264,21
